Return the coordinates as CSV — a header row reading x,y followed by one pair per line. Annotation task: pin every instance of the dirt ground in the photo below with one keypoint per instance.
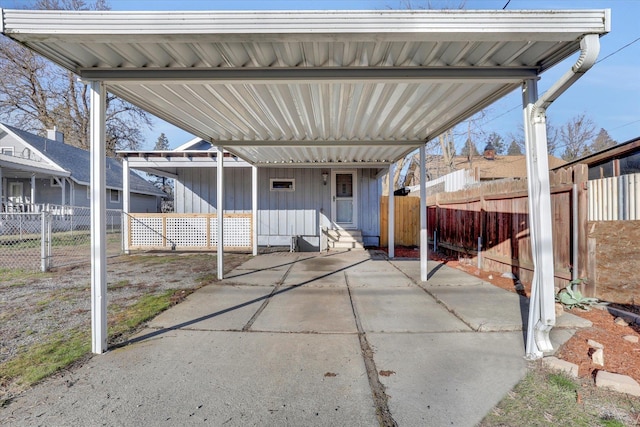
x,y
34,307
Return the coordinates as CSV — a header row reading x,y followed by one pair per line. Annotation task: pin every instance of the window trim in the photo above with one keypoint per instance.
x,y
111,193
279,181
8,151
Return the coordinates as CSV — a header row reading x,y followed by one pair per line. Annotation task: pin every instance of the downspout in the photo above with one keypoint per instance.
x,y
542,316
589,50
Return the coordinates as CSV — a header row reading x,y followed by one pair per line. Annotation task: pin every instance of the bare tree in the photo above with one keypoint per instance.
x,y
576,136
36,95
552,138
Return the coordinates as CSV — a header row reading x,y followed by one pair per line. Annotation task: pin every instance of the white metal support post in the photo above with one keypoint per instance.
x,y
424,241
541,304
254,209
126,204
98,219
32,200
63,188
391,215
2,205
220,211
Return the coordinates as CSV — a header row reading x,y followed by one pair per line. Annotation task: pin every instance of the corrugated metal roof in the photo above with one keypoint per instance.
x,y
318,87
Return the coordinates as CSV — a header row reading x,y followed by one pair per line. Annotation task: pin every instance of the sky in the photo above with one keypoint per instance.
x,y
609,93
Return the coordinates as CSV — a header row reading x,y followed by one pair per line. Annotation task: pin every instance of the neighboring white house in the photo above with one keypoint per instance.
x,y
36,171
292,201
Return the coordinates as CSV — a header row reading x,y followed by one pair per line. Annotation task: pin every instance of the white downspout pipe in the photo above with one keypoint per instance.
x,y
542,316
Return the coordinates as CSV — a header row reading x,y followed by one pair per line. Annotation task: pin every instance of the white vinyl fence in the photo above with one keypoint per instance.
x,y
616,198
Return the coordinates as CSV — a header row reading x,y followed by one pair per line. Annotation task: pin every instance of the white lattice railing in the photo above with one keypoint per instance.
x,y
188,231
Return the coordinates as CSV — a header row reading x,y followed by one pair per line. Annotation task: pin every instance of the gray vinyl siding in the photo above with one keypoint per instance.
x,y
196,191
281,214
369,192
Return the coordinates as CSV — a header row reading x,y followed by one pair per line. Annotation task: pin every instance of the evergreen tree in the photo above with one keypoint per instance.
x,y
469,149
602,141
514,149
162,182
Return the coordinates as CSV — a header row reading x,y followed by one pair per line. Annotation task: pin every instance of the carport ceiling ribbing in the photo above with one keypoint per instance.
x,y
318,87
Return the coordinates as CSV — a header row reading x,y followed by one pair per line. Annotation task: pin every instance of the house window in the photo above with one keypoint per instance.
x,y
282,184
114,196
7,151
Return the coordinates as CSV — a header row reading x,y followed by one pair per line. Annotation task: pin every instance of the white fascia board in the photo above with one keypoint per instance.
x,y
26,165
187,145
183,162
256,25
50,164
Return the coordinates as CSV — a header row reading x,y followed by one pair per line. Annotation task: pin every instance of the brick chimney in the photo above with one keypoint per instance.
x,y
55,135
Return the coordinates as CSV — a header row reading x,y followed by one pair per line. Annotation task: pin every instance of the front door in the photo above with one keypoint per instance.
x,y
344,199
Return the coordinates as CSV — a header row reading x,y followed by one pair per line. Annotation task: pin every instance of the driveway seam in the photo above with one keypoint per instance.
x,y
264,304
378,390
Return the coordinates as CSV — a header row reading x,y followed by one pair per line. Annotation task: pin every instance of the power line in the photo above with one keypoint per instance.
x,y
614,52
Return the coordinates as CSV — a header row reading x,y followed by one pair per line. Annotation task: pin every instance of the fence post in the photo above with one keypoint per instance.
x,y
43,242
580,178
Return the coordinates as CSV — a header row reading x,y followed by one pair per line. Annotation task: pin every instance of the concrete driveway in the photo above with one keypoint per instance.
x,y
337,339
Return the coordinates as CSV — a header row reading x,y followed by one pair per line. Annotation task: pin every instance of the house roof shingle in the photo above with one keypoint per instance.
x,y
77,162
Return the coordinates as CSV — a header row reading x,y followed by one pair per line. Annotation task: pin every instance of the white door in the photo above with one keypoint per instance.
x,y
344,199
15,196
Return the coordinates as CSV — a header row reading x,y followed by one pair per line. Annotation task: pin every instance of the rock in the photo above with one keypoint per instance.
x,y
621,322
559,309
617,382
508,275
631,338
490,277
598,357
594,344
556,364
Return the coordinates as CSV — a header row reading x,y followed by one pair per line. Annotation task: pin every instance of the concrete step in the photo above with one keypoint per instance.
x,y
345,234
346,245
345,239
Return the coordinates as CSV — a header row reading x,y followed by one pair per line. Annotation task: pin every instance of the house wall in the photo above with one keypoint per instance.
x,y
19,148
281,214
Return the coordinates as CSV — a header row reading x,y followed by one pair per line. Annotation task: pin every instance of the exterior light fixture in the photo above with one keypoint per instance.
x,y
325,176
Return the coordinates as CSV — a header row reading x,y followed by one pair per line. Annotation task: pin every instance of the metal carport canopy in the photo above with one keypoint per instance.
x,y
308,87
325,88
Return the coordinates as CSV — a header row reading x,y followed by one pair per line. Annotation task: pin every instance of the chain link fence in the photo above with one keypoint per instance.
x,y
54,237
